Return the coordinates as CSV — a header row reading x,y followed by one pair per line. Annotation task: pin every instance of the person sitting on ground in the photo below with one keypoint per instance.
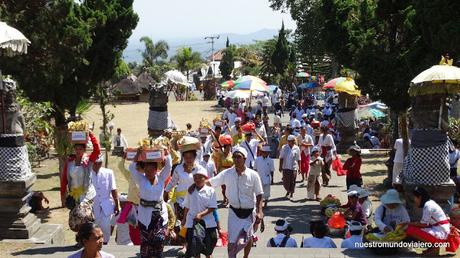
x,y
90,236
355,211
282,238
434,227
356,239
319,239
390,213
365,202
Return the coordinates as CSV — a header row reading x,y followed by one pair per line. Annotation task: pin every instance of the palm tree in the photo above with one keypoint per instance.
x,y
188,60
153,51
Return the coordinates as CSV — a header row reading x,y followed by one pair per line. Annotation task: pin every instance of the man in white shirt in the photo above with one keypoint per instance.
x,y
282,238
289,164
298,111
265,167
230,115
295,123
356,240
244,192
250,145
106,201
119,140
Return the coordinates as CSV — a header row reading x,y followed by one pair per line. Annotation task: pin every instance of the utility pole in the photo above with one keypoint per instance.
x,y
212,39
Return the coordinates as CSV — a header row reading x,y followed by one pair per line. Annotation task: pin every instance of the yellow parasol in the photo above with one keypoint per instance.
x,y
348,86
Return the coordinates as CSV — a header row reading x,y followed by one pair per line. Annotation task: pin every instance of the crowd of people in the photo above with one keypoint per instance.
x,y
173,201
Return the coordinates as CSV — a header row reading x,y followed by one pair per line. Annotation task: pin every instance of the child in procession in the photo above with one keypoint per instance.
x,y
316,166
265,167
199,207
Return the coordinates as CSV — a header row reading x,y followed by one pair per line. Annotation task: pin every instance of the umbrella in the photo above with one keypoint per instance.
x,y
228,84
303,74
331,84
272,88
243,94
348,86
12,40
439,79
176,77
308,85
251,83
364,113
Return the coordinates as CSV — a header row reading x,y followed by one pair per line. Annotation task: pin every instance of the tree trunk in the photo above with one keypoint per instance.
x,y
404,131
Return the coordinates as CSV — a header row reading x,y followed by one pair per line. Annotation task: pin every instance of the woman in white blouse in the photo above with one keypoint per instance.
x,y
152,215
327,145
434,226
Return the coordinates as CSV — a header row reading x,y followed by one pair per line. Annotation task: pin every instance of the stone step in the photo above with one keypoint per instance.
x,y
171,251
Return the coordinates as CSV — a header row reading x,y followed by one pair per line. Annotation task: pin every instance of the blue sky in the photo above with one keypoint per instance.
x,y
166,19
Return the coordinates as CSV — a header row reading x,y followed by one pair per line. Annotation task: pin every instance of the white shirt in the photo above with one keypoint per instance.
x,y
261,131
264,167
241,189
123,237
432,214
104,182
182,181
210,167
150,192
327,141
453,158
313,242
307,139
295,123
279,238
327,111
399,155
324,123
298,112
79,254
197,202
316,168
354,242
231,118
251,148
396,216
233,130
290,156
122,139
265,101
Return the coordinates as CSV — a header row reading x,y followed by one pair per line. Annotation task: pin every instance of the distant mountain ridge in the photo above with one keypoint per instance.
x,y
133,52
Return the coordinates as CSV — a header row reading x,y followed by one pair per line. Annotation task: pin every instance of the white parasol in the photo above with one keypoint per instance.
x,y
176,77
12,40
244,94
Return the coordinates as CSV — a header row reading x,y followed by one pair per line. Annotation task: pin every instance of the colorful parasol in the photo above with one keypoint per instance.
x,y
302,75
372,110
308,85
439,79
348,86
228,84
331,84
251,83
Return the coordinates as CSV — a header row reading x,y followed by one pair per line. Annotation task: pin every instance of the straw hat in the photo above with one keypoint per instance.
x,y
187,143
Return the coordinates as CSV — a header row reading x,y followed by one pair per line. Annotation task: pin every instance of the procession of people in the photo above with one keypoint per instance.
x,y
172,198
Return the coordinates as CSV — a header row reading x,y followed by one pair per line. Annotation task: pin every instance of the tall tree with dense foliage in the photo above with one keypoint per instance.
x,y
280,57
75,46
228,61
153,51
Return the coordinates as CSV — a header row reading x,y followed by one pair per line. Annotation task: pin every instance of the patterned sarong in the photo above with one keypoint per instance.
x,y
153,237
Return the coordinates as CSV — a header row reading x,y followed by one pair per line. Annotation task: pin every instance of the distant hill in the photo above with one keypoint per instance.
x,y
132,52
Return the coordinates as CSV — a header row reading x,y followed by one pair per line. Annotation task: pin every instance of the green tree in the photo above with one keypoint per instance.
x,y
153,51
280,57
75,46
188,60
228,61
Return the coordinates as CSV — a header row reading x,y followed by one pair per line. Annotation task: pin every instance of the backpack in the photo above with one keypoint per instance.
x,y
282,244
